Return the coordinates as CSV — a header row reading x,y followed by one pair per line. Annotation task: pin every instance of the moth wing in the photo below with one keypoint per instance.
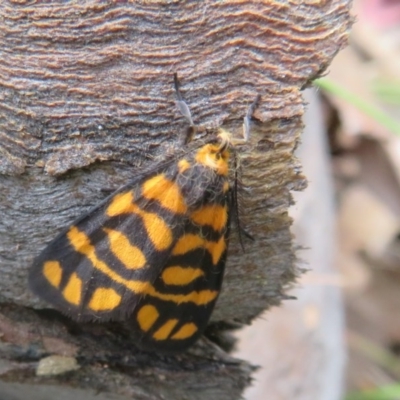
x,y
102,265
190,283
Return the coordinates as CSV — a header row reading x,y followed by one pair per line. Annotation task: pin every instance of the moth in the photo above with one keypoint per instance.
x,y
153,253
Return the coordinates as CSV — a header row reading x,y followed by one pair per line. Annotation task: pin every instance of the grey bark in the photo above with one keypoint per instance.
x,y
87,100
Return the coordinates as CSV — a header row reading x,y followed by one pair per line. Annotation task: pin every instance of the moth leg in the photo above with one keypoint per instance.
x,y
246,136
247,118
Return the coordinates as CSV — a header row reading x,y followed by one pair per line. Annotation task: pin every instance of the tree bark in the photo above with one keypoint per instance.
x,y
87,100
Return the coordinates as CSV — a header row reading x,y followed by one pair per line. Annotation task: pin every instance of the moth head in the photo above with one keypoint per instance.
x,y
215,155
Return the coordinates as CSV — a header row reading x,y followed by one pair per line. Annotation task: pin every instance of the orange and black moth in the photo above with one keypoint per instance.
x,y
153,253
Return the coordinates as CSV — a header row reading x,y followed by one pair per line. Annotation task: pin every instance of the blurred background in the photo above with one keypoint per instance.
x,y
340,338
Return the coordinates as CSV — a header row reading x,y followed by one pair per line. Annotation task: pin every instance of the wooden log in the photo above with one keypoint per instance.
x,y
87,101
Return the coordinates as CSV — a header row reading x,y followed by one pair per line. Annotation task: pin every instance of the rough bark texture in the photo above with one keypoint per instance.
x,y
311,327
87,99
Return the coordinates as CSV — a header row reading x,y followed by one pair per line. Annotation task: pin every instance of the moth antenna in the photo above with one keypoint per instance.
x,y
247,118
184,110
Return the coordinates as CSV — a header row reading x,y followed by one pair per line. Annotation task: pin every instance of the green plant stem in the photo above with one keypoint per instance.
x,y
367,108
